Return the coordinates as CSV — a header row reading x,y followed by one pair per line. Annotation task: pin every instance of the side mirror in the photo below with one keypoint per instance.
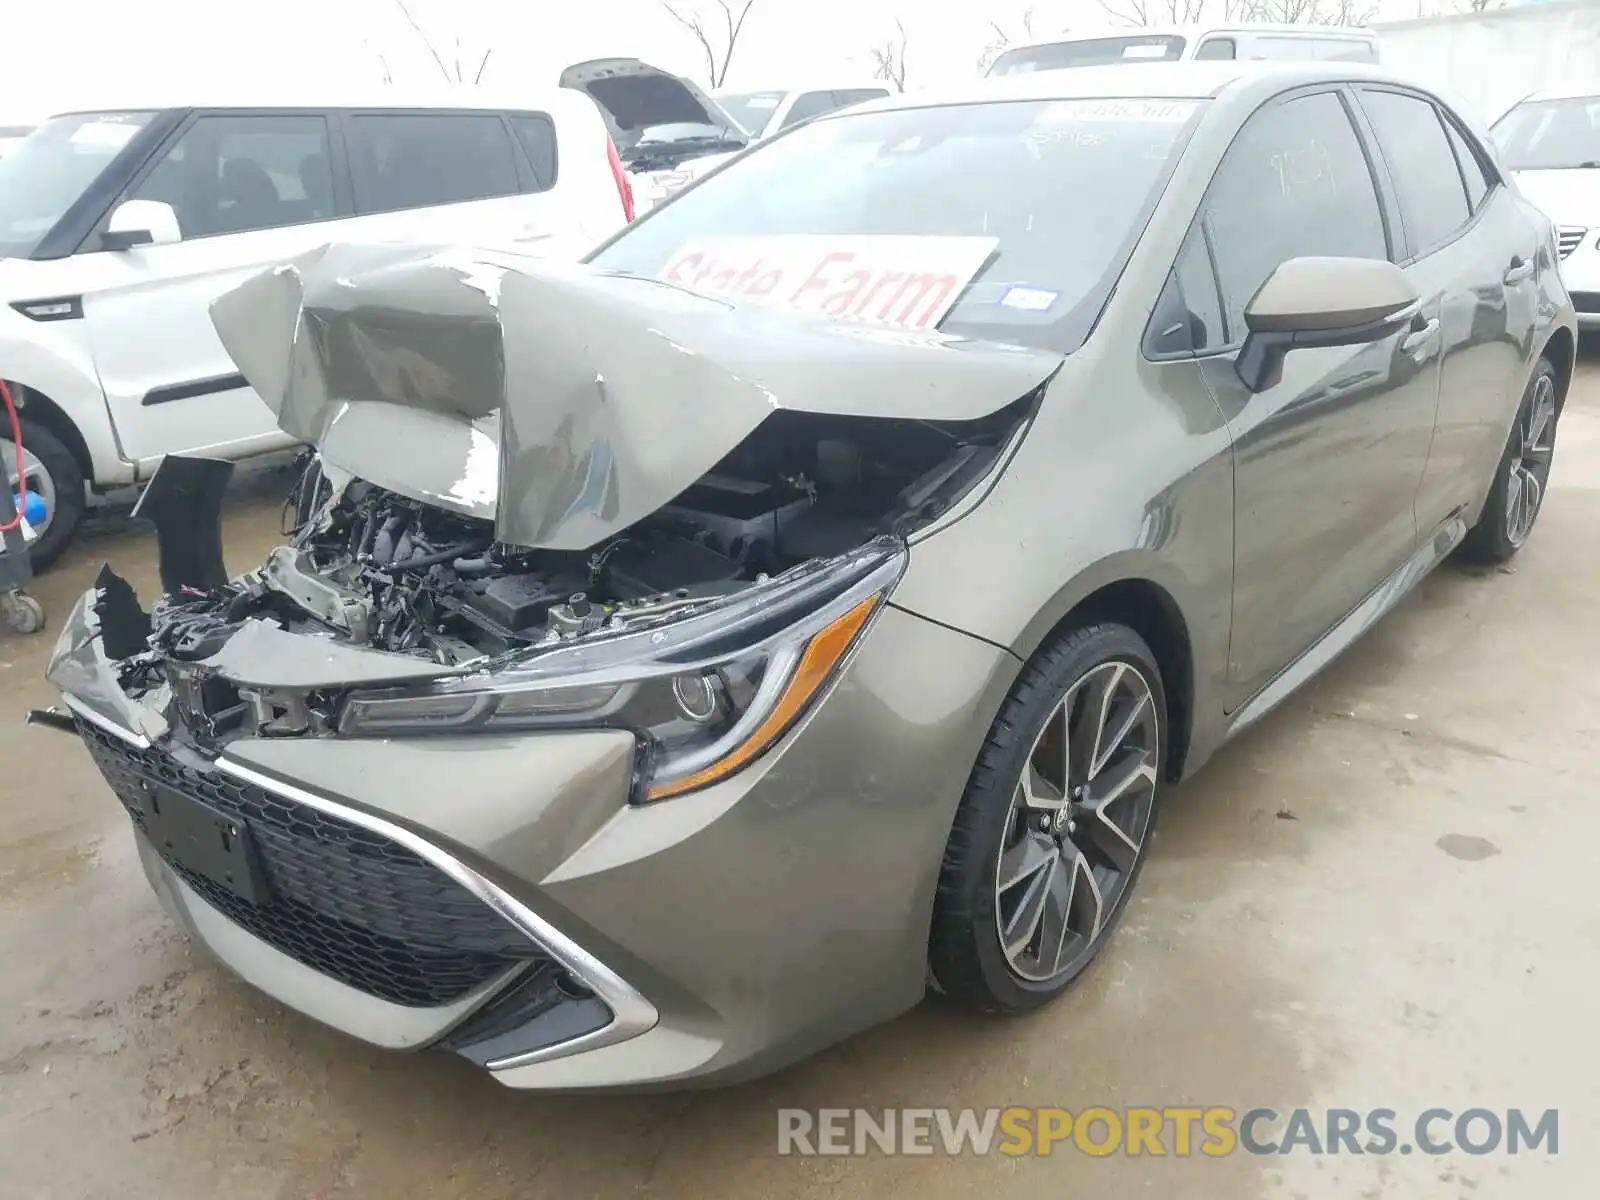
x,y
141,223
1321,302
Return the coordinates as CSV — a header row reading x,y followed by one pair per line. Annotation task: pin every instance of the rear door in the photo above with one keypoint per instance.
x,y
1471,251
1327,461
249,189
456,175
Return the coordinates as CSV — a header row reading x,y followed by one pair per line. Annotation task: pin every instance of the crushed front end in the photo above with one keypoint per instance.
x,y
626,773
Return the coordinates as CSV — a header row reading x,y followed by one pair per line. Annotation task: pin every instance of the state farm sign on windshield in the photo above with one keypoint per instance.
x,y
907,282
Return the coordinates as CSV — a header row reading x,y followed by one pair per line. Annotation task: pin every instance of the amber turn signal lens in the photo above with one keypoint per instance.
x,y
821,656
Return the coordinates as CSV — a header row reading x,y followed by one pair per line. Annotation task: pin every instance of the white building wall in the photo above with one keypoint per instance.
x,y
1491,60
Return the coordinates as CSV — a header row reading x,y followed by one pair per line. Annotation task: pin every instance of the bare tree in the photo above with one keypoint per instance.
x,y
717,44
1002,38
889,58
1311,12
1154,12
456,71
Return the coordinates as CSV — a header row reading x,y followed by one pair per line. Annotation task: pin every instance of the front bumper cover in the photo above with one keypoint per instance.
x,y
726,932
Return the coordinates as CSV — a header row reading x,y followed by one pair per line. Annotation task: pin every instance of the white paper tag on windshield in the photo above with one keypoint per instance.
x,y
1145,50
1164,112
905,282
103,135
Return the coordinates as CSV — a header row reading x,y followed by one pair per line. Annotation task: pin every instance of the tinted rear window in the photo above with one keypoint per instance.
x,y
414,160
537,133
1065,187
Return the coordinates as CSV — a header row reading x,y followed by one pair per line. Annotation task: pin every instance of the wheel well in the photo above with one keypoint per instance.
x,y
36,406
1562,352
1151,612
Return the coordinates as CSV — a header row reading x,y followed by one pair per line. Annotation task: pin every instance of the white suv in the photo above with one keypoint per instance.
x,y
118,229
1551,143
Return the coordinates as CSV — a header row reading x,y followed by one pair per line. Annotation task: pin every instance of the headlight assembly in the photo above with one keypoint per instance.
x,y
705,694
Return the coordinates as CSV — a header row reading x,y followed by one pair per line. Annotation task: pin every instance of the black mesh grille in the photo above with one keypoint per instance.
x,y
344,900
1586,302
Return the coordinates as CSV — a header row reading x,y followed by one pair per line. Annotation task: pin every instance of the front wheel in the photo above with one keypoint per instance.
x,y
1051,835
53,474
1522,476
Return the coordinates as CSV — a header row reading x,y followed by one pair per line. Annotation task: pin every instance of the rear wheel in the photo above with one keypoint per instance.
x,y
1049,839
1522,476
53,474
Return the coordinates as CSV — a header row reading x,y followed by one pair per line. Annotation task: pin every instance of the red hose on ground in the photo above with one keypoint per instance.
x,y
16,440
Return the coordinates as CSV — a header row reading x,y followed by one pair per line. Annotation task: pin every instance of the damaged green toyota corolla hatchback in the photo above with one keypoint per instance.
x,y
687,659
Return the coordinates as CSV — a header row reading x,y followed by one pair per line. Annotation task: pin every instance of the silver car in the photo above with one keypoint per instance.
x,y
659,686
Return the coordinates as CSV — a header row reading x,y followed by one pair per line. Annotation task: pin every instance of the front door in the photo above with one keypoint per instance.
x,y
249,191
1326,462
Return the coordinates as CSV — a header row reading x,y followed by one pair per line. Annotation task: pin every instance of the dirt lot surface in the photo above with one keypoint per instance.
x,y
1382,896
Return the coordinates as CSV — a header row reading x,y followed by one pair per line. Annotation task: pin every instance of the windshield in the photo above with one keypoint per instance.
x,y
753,110
42,176
1548,135
1087,52
1063,188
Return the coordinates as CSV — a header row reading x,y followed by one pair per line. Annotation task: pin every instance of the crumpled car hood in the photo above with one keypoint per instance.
x,y
563,402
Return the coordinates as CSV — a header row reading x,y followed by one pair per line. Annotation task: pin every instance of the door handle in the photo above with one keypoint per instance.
x,y
1519,270
1419,338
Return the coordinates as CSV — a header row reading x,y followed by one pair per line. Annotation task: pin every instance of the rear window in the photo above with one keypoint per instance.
x,y
1064,186
537,133
415,160
1088,52
753,110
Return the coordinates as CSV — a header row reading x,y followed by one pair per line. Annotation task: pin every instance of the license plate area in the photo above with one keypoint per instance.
x,y
192,834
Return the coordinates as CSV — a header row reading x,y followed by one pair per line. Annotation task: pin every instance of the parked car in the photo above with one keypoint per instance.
x,y
691,657
667,130
1254,41
1551,143
764,113
118,228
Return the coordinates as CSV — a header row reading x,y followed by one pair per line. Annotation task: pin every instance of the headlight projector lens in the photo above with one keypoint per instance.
x,y
696,696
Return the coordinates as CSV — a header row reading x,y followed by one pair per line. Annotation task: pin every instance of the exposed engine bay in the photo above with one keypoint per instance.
x,y
369,567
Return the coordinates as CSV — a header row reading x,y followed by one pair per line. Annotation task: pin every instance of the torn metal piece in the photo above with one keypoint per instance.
x,y
603,396
184,502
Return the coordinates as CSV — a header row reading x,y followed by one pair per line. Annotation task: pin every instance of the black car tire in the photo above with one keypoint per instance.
x,y
967,962
66,477
1492,540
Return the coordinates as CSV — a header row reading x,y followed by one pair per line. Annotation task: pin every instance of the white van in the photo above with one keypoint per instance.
x,y
1178,43
119,226
765,113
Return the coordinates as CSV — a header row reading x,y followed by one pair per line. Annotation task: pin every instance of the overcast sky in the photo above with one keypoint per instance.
x,y
66,53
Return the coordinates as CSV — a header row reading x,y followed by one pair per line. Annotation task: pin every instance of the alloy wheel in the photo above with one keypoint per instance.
x,y
1077,822
1530,463
38,479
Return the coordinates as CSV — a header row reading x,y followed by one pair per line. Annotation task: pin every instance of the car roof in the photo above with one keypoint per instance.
x,y
1167,81
1149,31
1589,91
376,96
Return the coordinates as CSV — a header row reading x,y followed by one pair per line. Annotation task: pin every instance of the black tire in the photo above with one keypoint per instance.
x,y
66,477
967,960
1499,534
